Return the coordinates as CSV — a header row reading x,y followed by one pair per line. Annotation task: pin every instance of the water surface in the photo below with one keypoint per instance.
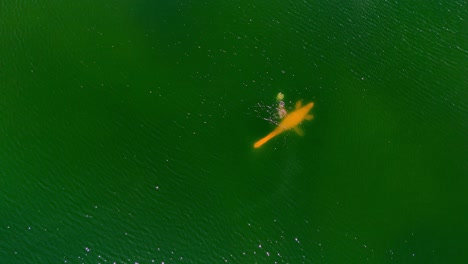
x,y
128,129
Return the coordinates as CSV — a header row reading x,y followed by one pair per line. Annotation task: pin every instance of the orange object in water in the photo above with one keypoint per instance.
x,y
289,122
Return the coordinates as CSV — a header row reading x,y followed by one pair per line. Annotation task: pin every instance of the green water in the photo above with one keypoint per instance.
x,y
127,131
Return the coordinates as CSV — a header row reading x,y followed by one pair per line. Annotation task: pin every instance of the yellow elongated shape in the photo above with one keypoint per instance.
x,y
289,122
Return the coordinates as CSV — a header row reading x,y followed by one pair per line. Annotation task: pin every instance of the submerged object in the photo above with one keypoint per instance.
x,y
289,122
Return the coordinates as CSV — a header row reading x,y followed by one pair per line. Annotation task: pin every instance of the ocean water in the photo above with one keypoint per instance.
x,y
127,131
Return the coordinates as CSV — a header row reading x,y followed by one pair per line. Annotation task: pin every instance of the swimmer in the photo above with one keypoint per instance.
x,y
281,110
280,96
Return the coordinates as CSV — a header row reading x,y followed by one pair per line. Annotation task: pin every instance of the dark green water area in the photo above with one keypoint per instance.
x,y
127,131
